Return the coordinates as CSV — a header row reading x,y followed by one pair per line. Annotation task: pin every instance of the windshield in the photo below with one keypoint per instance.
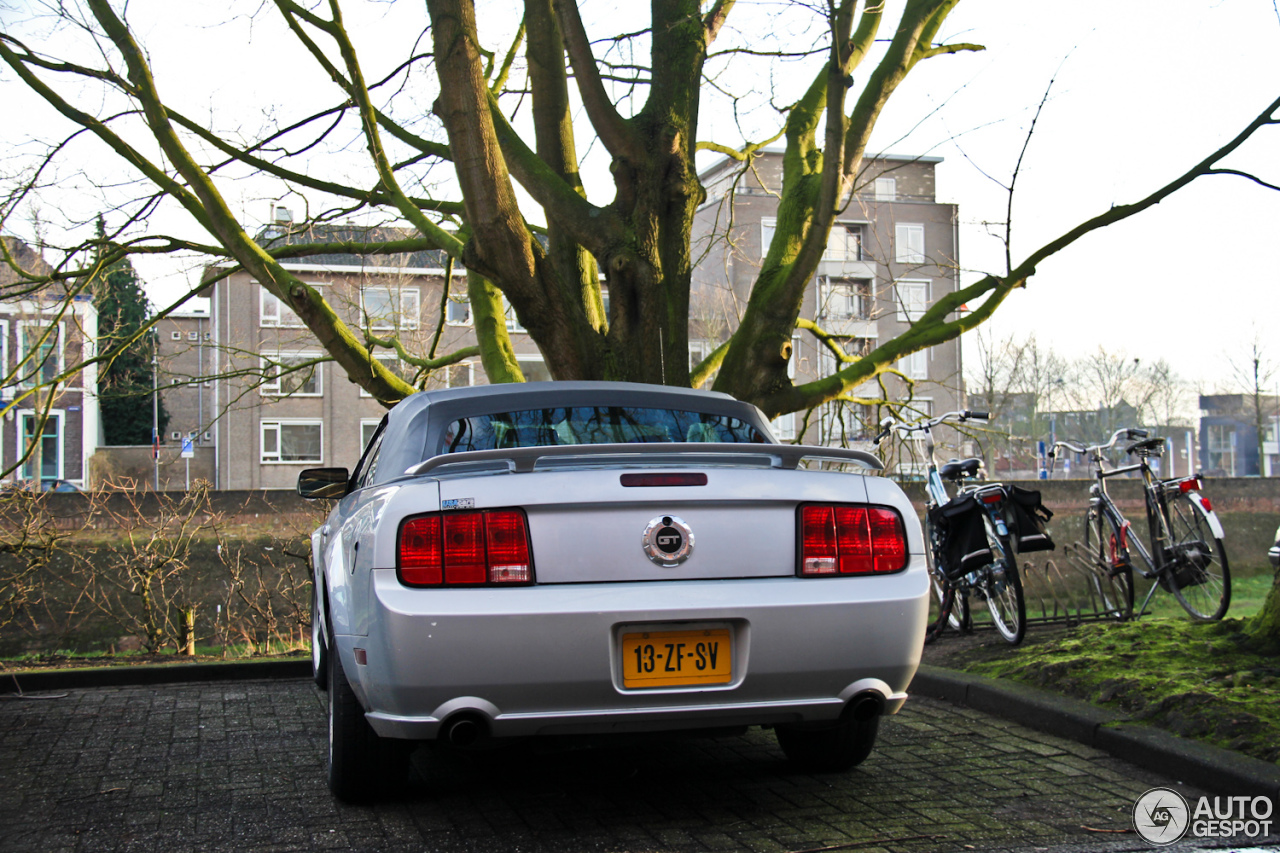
x,y
592,425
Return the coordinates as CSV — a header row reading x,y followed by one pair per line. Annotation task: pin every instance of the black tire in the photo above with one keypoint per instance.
x,y
319,648
1197,574
953,608
1001,586
362,765
1111,579
829,750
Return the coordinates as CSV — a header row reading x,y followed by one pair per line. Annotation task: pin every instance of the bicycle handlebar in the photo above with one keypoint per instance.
x,y
888,425
1127,433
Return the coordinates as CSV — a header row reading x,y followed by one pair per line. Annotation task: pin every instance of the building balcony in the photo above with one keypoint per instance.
x,y
848,327
846,268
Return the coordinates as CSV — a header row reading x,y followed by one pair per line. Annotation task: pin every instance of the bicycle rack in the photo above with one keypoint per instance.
x,y
1059,589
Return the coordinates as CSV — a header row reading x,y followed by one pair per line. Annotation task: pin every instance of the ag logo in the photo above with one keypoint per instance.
x,y
667,541
1161,816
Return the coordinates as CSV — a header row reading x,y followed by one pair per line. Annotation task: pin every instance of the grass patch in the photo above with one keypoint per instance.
x,y
1197,680
72,659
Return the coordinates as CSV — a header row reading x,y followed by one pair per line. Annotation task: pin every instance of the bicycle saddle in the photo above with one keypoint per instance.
x,y
958,469
1146,446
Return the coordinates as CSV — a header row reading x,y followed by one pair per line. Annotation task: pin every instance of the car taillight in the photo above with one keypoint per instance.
x,y
851,540
464,549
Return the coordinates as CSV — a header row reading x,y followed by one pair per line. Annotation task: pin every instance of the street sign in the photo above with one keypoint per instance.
x,y
188,447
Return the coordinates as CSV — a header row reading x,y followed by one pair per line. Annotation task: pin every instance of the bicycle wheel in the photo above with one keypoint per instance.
x,y
1112,577
944,592
1002,588
1195,570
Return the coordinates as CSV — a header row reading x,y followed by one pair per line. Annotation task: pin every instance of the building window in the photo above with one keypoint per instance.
x,y
845,299
275,313
784,427
45,459
292,375
458,311
913,299
391,307
886,189
39,352
768,226
1222,449
175,336
909,244
509,311
844,243
534,368
367,429
460,375
915,365
292,441
392,363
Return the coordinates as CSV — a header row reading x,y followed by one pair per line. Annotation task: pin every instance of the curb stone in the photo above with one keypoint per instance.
x,y
1209,767
141,675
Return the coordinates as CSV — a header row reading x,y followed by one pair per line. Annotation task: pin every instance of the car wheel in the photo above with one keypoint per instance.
x,y
319,649
362,765
829,750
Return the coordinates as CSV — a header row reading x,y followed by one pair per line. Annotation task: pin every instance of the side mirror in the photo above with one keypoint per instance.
x,y
316,483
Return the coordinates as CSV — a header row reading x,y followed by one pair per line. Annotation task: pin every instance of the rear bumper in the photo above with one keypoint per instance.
x,y
547,659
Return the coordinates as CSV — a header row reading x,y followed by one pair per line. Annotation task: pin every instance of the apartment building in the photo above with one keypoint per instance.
x,y
272,402
43,337
892,253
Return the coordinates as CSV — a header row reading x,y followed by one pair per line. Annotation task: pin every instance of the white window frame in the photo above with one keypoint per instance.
x,y
840,232
915,365
464,305
919,407
60,417
784,427
392,362
886,189
273,387
768,227
908,243
399,301
470,370
280,313
370,424
33,379
276,425
5,367
912,298
795,357
509,314
522,360
828,290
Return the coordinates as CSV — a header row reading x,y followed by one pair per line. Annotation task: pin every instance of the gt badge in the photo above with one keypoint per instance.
x,y
667,541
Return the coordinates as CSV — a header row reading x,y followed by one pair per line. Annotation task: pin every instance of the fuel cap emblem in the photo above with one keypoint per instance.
x,y
667,541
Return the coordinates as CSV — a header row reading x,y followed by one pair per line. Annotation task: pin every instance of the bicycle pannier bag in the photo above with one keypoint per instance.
x,y
962,535
1026,517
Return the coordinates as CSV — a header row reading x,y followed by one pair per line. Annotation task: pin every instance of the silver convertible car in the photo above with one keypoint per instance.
x,y
578,558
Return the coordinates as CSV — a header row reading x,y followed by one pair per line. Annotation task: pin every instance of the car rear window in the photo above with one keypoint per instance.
x,y
592,425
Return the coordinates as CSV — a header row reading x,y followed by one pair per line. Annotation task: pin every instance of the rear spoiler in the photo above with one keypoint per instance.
x,y
522,460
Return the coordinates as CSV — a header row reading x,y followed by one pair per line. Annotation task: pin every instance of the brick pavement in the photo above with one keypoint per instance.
x,y
239,767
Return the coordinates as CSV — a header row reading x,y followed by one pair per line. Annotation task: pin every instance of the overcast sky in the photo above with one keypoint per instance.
x,y
1142,89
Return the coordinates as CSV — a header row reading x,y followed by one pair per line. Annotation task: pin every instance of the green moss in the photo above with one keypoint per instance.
x,y
1202,681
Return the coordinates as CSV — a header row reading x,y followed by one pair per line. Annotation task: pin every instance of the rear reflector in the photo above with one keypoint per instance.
x,y
464,549
851,540
1191,484
664,479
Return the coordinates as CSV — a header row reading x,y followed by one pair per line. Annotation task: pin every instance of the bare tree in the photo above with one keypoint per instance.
x,y
640,91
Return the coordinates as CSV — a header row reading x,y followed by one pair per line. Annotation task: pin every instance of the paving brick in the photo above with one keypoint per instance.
x,y
239,767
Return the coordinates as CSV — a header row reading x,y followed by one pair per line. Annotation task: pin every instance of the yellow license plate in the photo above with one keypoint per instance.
x,y
676,658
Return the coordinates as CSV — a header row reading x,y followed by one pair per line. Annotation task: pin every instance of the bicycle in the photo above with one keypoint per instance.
x,y
1186,555
982,567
